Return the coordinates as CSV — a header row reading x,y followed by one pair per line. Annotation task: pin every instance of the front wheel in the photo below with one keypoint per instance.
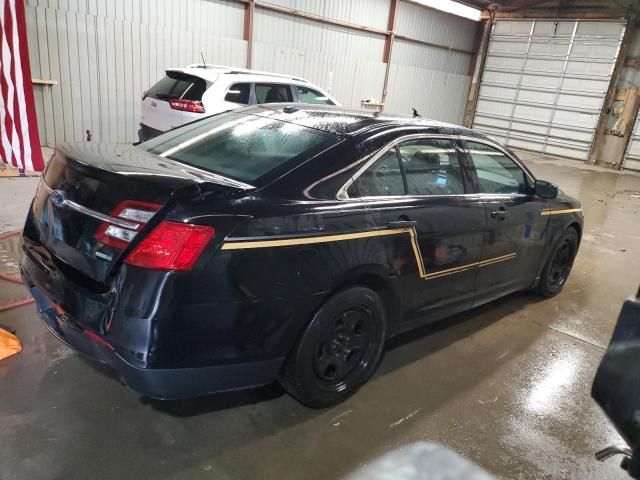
x,y
339,351
556,270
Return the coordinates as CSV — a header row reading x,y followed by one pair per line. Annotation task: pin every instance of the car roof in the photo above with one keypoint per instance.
x,y
212,72
351,122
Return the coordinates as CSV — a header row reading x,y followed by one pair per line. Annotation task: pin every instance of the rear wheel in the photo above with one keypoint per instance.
x,y
339,351
556,270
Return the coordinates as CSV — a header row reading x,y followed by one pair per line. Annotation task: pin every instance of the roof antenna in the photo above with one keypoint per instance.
x,y
415,113
204,64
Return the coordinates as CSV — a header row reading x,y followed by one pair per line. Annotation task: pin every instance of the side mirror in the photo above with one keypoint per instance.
x,y
545,189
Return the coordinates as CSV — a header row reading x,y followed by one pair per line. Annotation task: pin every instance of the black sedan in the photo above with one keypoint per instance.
x,y
283,242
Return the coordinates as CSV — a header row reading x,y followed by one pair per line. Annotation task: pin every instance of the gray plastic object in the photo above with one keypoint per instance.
x,y
421,461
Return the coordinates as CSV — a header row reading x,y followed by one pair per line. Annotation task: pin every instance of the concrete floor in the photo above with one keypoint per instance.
x,y
506,385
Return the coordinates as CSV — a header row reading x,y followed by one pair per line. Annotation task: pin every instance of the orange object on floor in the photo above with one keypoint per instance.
x,y
9,344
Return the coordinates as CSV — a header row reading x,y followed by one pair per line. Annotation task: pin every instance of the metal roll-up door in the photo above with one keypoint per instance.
x,y
544,83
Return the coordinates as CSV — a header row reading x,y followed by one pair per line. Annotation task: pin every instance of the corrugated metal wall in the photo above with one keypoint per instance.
x,y
105,53
433,80
346,62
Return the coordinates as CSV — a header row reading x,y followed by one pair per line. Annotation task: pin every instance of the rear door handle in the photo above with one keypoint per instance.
x,y
500,214
402,224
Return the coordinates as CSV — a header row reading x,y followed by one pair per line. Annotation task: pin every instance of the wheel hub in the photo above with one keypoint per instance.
x,y
343,346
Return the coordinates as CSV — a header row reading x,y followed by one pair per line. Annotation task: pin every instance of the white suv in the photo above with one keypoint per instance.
x,y
198,91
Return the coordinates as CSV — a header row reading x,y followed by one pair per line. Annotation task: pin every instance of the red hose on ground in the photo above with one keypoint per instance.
x,y
10,278
19,303
9,234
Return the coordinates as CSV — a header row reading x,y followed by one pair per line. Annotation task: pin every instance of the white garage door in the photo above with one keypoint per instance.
x,y
544,83
632,158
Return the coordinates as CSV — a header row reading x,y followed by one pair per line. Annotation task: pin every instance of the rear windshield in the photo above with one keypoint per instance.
x,y
178,85
241,146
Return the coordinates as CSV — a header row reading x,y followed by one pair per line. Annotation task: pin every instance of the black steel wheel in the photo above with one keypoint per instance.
x,y
340,349
558,266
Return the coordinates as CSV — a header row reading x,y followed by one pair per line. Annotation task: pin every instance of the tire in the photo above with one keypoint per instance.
x,y
558,267
339,351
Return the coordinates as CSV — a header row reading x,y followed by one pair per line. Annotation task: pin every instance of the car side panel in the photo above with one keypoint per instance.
x,y
270,274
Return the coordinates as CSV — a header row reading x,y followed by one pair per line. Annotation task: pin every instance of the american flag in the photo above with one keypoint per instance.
x,y
19,144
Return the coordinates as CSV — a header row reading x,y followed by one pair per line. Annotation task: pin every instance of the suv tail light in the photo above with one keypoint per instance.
x,y
171,246
134,212
194,106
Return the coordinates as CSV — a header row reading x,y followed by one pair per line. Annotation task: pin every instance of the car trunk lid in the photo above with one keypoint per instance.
x,y
88,188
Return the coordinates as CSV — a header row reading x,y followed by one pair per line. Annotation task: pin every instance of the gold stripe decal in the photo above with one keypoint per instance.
x,y
462,268
286,242
311,240
545,213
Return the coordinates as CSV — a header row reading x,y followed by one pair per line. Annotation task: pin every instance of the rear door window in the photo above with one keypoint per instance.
x,y
273,93
308,95
432,167
238,93
178,85
383,178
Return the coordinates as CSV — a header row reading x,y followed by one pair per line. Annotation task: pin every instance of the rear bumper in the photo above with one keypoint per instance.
x,y
145,132
157,383
46,282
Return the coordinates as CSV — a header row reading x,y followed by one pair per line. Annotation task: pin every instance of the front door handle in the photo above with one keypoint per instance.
x,y
500,214
402,224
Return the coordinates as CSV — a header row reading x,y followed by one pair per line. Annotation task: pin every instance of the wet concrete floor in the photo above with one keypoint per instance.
x,y
506,385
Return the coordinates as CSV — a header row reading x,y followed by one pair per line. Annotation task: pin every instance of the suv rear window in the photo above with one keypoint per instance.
x,y
273,93
308,95
238,93
178,85
241,146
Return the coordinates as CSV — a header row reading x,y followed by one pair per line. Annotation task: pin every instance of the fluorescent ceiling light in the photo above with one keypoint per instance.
x,y
455,8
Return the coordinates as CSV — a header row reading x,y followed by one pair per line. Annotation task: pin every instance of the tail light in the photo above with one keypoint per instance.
x,y
134,212
171,246
194,106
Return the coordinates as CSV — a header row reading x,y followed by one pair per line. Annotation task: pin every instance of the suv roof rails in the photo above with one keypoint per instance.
x,y
237,71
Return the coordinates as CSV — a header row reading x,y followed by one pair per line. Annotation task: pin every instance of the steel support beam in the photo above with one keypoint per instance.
x,y
247,33
599,138
391,26
476,68
388,47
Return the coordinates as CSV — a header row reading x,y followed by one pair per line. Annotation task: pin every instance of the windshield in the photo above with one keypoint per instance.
x,y
240,146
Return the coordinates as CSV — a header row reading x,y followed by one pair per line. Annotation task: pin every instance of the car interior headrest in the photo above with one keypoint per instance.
x,y
427,159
